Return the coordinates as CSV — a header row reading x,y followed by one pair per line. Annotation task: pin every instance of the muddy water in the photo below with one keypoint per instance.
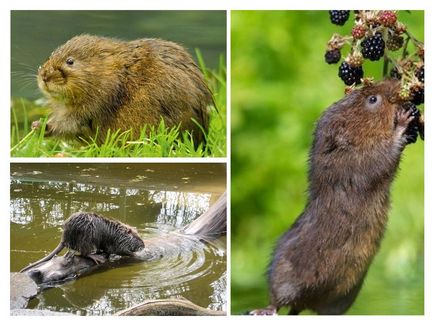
x,y
154,198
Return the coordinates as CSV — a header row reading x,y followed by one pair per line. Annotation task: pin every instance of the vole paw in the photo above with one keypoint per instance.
x,y
36,124
98,259
403,118
402,122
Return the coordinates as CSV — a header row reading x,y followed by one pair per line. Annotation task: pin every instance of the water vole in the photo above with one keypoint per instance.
x,y
98,83
90,233
321,261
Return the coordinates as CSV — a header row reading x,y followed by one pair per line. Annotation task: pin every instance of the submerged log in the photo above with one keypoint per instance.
x,y
208,226
169,307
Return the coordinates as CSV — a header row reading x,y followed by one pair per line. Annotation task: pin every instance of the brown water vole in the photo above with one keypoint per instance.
x,y
98,83
321,261
90,233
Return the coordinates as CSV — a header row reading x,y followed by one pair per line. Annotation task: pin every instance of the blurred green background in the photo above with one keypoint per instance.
x,y
280,85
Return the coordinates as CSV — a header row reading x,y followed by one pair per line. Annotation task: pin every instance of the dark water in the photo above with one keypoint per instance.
x,y
35,34
154,198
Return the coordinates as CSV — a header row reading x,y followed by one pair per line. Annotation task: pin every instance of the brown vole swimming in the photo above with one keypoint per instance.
x,y
321,261
94,84
90,233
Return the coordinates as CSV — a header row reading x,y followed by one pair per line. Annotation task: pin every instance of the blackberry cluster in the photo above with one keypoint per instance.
x,y
349,74
332,56
373,47
378,35
417,95
339,17
415,127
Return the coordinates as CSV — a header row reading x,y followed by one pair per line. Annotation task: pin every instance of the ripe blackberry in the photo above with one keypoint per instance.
x,y
414,127
350,75
387,18
420,74
339,17
373,47
394,42
332,56
417,95
358,32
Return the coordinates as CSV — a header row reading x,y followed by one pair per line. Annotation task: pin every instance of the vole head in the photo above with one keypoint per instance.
x,y
82,72
361,119
131,241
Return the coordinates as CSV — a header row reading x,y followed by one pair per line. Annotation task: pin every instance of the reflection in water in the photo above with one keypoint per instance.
x,y
57,200
178,207
195,270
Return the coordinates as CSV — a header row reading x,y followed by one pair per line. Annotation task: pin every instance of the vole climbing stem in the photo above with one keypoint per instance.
x,y
320,262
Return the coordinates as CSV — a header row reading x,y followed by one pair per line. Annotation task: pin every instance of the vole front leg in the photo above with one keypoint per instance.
x,y
36,125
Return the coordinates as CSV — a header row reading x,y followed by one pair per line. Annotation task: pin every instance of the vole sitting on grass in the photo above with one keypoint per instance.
x,y
94,84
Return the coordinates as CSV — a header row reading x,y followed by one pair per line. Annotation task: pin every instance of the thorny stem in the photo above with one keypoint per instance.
x,y
415,40
385,65
404,48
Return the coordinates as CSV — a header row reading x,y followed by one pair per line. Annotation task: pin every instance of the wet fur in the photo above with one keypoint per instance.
x,y
89,233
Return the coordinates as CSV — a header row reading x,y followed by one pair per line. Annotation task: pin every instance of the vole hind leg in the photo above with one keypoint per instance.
x,y
342,304
293,311
268,311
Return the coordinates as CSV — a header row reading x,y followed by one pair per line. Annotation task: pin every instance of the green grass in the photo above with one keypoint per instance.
x,y
153,141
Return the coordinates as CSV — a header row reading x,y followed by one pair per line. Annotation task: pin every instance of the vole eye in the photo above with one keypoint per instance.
x,y
70,61
373,102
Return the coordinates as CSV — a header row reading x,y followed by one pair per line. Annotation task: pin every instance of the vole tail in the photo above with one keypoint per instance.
x,y
58,249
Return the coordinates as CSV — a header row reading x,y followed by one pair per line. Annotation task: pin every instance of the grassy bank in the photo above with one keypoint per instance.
x,y
153,142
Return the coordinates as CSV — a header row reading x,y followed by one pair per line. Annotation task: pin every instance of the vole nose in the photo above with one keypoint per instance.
x,y
44,75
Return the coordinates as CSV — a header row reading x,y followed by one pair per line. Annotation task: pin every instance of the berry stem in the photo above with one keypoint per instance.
x,y
413,39
386,65
404,48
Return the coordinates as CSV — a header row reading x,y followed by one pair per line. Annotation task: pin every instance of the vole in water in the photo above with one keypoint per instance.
x,y
90,233
321,261
94,84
